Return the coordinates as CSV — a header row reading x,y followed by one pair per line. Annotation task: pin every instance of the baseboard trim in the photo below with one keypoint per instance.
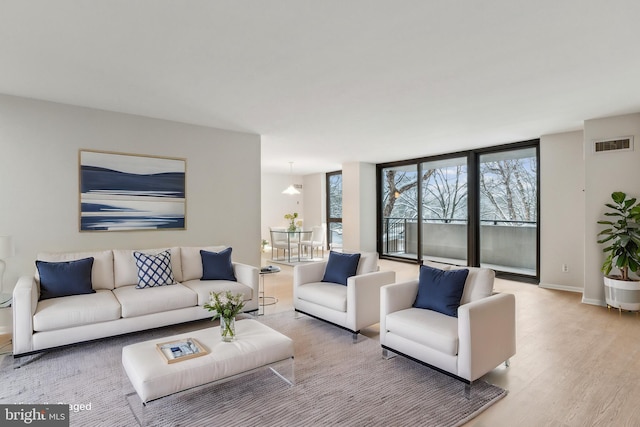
x,y
560,287
593,302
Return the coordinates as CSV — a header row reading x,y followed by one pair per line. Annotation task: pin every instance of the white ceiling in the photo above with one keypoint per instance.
x,y
332,81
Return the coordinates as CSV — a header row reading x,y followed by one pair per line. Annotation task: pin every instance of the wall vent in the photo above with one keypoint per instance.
x,y
624,143
297,186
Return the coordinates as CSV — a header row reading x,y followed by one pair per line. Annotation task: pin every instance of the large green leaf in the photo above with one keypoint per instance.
x,y
618,196
606,240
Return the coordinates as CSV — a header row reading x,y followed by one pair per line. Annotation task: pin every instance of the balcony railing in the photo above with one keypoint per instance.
x,y
511,244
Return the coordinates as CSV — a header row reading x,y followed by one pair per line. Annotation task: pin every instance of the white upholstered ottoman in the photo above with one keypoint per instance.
x,y
256,346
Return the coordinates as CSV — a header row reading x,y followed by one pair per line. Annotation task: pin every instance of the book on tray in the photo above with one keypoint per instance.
x,y
183,349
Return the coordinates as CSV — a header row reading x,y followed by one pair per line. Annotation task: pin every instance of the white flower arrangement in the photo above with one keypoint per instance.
x,y
225,304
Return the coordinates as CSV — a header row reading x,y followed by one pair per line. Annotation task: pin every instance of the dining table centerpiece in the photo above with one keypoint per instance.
x,y
293,224
226,306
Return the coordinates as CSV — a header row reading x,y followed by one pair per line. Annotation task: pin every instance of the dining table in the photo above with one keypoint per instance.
x,y
293,237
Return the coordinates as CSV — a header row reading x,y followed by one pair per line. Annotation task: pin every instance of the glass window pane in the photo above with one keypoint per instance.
x,y
400,211
334,210
335,235
444,210
335,195
508,210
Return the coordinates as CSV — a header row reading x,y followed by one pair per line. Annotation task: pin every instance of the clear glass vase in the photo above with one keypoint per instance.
x,y
228,328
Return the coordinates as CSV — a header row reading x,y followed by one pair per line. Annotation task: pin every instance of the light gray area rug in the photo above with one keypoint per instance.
x,y
337,383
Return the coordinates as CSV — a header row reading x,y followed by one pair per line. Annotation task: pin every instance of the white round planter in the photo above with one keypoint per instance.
x,y
622,294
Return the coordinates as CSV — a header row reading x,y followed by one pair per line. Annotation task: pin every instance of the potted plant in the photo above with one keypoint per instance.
x,y
623,252
293,226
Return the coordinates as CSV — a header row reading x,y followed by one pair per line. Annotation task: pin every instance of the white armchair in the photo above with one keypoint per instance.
x,y
466,347
351,307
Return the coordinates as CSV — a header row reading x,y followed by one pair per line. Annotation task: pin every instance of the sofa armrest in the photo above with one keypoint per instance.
x,y
247,275
24,304
308,273
487,334
395,297
363,297
398,296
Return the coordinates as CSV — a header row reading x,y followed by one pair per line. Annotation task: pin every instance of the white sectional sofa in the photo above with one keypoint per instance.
x,y
117,306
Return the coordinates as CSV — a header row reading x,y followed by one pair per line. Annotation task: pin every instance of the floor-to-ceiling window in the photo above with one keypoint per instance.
x,y
334,210
509,210
444,210
399,232
478,207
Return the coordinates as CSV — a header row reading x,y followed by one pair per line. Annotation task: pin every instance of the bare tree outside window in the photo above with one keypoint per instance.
x,y
444,194
509,190
425,209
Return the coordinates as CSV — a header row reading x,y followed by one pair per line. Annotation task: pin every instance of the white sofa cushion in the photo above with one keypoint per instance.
x,y
203,288
138,302
426,327
192,261
76,310
101,272
126,270
330,295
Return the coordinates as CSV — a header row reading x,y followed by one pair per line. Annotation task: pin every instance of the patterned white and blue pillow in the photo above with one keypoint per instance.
x,y
154,270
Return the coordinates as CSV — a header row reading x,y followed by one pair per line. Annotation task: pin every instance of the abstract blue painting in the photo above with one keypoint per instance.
x,y
131,192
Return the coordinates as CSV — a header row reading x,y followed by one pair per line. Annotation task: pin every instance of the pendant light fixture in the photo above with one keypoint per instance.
x,y
291,190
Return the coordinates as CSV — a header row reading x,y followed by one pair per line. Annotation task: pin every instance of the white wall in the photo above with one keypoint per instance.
x,y
39,188
359,207
315,200
561,211
605,173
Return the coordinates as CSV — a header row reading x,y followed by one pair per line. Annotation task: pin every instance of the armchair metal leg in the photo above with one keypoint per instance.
x,y
354,337
467,391
388,354
507,363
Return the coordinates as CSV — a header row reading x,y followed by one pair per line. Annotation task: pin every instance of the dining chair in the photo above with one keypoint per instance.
x,y
278,240
316,240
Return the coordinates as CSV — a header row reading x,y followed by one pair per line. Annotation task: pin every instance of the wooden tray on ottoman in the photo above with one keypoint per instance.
x,y
179,350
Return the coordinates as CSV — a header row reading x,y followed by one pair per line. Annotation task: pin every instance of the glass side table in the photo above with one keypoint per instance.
x,y
264,300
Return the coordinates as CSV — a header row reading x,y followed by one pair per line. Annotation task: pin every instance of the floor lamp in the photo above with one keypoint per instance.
x,y
6,251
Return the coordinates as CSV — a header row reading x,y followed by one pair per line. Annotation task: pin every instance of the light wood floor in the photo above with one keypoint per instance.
x,y
576,364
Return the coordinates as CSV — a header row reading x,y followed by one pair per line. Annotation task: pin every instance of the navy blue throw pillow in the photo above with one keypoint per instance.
x,y
217,265
440,290
61,279
340,267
